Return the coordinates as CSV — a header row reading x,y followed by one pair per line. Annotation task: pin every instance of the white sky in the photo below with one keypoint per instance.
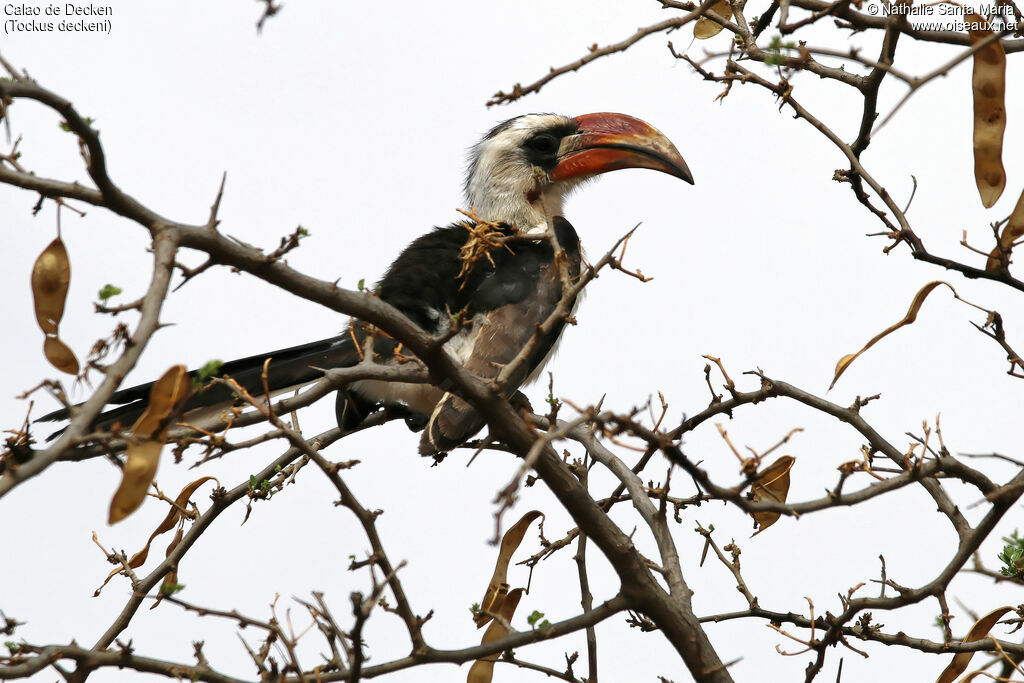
x,y
353,120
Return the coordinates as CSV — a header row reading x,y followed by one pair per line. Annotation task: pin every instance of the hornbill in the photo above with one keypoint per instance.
x,y
519,175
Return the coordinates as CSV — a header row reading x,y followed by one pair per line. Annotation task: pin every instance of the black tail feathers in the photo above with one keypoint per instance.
x,y
288,368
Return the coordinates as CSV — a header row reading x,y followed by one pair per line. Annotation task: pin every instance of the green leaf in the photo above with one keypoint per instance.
x,y
1012,555
361,285
209,369
534,619
168,589
109,291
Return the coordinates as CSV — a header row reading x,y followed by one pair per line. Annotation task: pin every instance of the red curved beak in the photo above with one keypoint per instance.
x,y
607,142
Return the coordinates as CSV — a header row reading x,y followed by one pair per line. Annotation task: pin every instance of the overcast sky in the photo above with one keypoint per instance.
x,y
353,120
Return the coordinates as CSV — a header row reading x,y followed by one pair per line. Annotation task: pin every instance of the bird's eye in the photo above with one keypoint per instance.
x,y
546,144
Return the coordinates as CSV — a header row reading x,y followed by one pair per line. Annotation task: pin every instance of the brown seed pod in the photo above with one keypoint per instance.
x,y
482,670
989,88
771,484
1013,231
705,28
59,355
149,432
494,596
51,276
978,631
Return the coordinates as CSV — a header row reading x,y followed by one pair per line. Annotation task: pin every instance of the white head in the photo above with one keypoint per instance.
x,y
522,170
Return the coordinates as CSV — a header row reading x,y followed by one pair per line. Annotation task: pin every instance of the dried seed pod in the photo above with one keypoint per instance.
x,y
989,88
978,631
771,484
165,397
909,318
150,431
482,670
494,596
59,355
173,517
705,28
51,276
1013,231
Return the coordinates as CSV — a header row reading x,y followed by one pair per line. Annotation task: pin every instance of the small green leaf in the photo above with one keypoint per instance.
x,y
534,620
12,647
1012,556
208,370
302,232
107,292
361,285
168,589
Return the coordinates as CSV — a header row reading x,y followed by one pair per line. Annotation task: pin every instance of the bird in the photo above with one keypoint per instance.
x,y
518,177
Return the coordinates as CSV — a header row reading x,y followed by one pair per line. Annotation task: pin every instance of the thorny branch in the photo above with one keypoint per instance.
x,y
655,594
671,611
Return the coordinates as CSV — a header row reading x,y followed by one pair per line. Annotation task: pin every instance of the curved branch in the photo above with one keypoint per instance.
x,y
220,504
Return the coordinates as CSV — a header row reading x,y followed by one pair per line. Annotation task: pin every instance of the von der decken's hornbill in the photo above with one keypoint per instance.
x,y
518,177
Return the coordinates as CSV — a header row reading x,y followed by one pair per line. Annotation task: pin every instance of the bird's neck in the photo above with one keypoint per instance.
x,y
527,209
